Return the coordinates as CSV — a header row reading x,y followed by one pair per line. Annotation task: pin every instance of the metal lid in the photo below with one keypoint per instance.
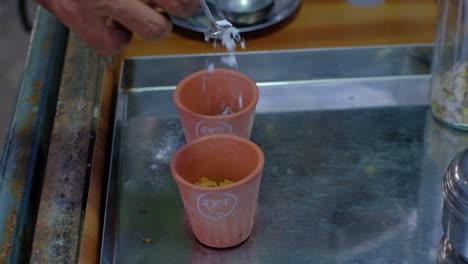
x,y
447,255
456,185
455,213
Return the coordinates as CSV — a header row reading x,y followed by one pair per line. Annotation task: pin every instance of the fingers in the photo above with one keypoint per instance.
x,y
92,29
182,8
113,40
140,18
87,18
106,39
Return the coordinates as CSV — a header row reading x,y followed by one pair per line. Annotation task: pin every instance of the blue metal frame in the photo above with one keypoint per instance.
x,y
25,151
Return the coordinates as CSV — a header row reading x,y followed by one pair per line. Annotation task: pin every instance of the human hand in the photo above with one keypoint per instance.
x,y
107,25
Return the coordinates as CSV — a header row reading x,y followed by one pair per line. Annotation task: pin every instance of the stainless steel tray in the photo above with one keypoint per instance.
x,y
354,161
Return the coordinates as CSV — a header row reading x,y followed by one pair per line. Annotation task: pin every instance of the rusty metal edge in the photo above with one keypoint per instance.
x,y
25,151
66,180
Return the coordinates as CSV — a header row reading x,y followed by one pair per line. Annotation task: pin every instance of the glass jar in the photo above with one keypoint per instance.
x,y
449,84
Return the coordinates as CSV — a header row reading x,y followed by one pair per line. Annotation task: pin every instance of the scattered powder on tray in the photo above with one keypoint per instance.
x,y
205,182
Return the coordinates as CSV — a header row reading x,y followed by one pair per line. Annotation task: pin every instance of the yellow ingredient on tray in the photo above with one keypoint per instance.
x,y
205,182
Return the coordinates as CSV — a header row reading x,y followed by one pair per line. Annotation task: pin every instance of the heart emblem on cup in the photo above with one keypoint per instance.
x,y
212,127
216,205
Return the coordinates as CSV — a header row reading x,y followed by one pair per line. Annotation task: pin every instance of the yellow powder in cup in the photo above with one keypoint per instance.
x,y
205,182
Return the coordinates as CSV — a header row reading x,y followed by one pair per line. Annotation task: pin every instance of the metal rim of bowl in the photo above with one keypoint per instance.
x,y
287,8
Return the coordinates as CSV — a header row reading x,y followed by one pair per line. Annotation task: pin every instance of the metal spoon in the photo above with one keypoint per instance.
x,y
214,30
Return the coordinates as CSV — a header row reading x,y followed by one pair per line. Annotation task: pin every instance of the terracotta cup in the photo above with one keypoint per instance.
x,y
203,96
223,216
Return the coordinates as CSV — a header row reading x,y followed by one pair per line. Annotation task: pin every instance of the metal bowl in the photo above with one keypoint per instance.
x,y
281,10
245,12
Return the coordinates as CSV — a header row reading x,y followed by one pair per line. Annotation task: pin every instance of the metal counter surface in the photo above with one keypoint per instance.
x,y
353,161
